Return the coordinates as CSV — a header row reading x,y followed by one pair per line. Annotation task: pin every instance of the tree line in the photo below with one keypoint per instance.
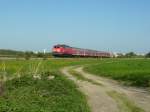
x,y
133,55
24,54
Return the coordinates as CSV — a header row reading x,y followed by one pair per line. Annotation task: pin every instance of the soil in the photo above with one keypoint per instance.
x,y
97,97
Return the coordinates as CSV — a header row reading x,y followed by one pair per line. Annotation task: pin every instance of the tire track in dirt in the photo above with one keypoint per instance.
x,y
97,99
140,97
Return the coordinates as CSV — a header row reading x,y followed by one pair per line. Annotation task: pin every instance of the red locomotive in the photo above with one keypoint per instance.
x,y
67,51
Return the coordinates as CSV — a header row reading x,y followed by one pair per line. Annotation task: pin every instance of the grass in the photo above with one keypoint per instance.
x,y
12,68
135,72
124,104
27,94
81,77
23,93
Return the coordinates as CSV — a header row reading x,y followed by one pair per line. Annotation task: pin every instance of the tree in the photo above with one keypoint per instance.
x,y
40,55
28,55
147,55
130,54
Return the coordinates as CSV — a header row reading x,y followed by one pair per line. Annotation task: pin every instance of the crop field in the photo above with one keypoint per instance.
x,y
135,72
39,86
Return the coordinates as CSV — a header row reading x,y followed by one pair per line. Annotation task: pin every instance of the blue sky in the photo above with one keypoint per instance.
x,y
112,25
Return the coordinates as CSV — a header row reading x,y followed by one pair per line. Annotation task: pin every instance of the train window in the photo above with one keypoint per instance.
x,y
56,47
63,46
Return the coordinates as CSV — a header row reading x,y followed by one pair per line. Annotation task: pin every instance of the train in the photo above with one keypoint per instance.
x,y
62,50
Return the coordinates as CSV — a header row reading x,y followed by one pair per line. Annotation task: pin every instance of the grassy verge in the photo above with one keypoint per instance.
x,y
124,104
132,72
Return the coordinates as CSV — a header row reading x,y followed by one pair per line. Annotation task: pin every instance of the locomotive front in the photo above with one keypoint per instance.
x,y
62,51
57,50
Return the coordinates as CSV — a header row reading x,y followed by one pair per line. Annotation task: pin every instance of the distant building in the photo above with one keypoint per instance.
x,y
118,54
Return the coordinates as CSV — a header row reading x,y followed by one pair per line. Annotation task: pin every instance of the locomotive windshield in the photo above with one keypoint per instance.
x,y
56,46
64,46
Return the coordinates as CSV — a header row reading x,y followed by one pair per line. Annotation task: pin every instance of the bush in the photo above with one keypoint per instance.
x,y
28,55
130,54
147,55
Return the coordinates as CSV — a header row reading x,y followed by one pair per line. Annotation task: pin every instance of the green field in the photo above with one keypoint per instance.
x,y
134,72
23,92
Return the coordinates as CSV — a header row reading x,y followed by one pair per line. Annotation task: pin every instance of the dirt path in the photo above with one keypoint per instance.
x,y
99,98
141,97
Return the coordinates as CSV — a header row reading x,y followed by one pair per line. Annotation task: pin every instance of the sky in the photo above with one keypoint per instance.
x,y
106,25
